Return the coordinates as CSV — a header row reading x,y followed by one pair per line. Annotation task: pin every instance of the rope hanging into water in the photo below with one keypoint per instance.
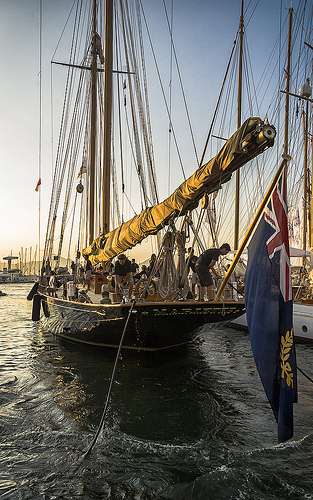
x,y
304,374
110,386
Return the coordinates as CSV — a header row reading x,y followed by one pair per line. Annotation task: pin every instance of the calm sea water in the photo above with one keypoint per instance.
x,y
194,426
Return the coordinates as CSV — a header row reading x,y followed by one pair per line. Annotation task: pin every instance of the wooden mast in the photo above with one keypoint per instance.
x,y
236,235
305,174
288,70
107,116
93,127
282,165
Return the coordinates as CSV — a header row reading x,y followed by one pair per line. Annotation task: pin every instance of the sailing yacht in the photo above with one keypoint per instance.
x,y
293,111
161,315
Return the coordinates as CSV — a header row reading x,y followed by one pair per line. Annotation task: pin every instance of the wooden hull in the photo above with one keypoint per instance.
x,y
153,326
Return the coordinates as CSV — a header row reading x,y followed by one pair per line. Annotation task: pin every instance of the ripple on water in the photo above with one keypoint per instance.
x,y
193,427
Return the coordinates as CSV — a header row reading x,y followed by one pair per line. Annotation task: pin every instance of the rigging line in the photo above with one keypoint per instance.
x,y
147,122
181,85
217,105
66,22
170,99
110,385
133,155
57,169
129,202
163,91
130,54
79,236
305,375
74,140
132,149
300,22
71,232
247,65
143,102
115,210
119,108
252,13
40,129
71,151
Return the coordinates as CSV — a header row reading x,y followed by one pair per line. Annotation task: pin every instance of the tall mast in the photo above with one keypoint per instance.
x,y
93,125
236,235
305,173
288,71
107,116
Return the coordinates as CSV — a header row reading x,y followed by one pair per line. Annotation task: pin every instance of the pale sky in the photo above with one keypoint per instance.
x,y
204,31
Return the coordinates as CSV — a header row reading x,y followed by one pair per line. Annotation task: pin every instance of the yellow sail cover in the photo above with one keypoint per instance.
x,y
246,143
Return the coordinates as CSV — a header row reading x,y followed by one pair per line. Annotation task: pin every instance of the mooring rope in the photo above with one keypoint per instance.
x,y
304,374
110,386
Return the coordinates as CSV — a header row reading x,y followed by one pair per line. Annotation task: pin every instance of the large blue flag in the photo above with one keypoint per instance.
x,y
269,309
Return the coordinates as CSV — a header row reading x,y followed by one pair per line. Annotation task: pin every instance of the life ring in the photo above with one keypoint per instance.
x,y
141,285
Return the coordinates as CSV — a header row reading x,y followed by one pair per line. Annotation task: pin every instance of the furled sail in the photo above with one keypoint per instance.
x,y
247,142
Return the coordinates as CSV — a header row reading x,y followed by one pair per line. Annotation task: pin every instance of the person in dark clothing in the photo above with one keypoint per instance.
x,y
205,265
89,269
191,262
134,267
153,267
143,274
123,275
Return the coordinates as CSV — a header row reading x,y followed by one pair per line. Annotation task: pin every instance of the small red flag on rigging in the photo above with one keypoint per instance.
x,y
38,184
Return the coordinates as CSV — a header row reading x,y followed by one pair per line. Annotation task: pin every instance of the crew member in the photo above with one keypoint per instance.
x,y
205,265
123,275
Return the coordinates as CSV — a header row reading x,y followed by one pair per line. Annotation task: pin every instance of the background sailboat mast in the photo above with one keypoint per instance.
x,y
107,116
288,70
93,127
305,174
236,235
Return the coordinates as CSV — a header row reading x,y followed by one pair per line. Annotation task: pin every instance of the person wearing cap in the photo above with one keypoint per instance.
x,y
123,275
205,265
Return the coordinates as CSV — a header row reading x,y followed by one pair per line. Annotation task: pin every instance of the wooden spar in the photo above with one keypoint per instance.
x,y
236,234
107,116
298,96
93,127
250,230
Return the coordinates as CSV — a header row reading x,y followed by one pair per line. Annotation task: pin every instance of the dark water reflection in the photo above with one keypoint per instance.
x,y
191,426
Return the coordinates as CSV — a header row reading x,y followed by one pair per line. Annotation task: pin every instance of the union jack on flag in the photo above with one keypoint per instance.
x,y
269,308
276,216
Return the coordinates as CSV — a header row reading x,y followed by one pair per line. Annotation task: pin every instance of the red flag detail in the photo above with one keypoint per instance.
x,y
38,184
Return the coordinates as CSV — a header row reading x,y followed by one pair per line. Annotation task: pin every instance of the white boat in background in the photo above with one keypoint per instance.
x,y
5,278
302,309
302,322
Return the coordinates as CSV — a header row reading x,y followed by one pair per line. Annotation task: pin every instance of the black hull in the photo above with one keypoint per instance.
x,y
153,326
